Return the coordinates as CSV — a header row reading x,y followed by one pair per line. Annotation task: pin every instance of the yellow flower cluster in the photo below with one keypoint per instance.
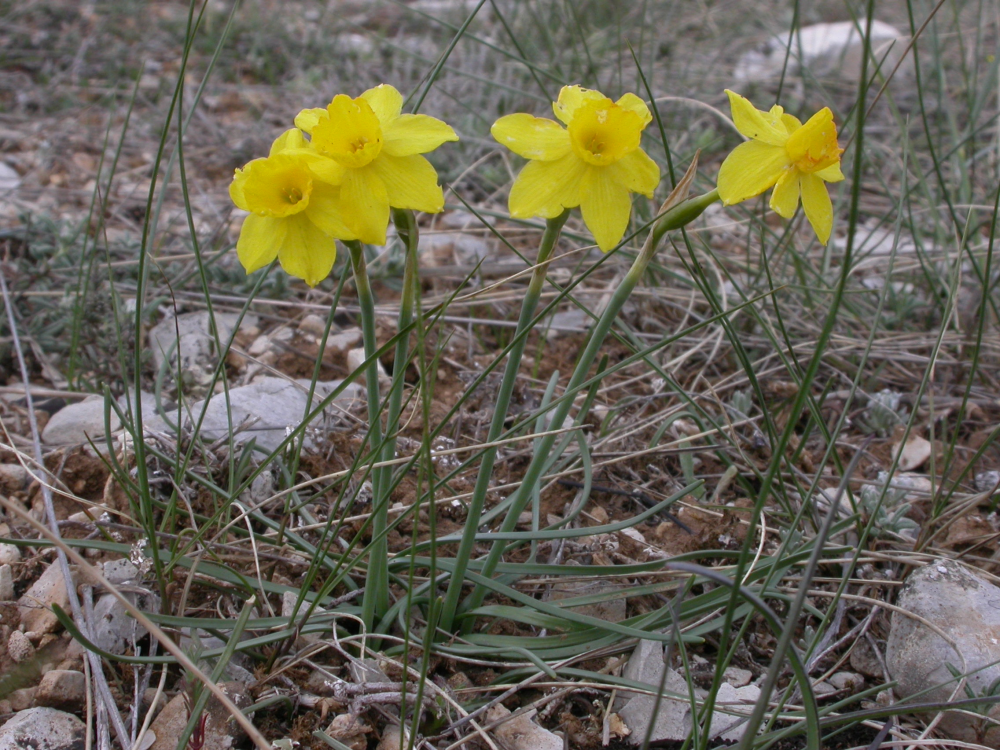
x,y
364,156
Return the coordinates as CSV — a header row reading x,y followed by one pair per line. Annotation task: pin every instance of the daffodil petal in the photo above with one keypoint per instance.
x,y
326,210
751,122
606,207
817,205
785,198
386,102
633,103
410,182
325,168
571,98
306,252
831,173
307,119
749,170
532,137
366,205
240,177
260,239
291,139
636,172
791,122
546,188
415,134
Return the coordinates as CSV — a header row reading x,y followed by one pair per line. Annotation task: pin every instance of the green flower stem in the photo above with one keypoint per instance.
x,y
376,596
553,227
677,217
406,226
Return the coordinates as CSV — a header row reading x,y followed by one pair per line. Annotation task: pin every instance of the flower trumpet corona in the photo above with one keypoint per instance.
x,y
595,162
376,153
793,158
295,212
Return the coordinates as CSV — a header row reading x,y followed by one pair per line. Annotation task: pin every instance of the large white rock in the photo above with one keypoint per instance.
x,y
84,420
672,720
115,630
43,729
187,341
269,407
826,50
967,609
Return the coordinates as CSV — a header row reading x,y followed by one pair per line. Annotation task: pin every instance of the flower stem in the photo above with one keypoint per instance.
x,y
553,227
376,596
675,218
406,226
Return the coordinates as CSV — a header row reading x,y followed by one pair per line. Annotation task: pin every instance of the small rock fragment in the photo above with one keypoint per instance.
x,y
19,648
313,324
10,178
394,737
344,341
63,689
737,677
988,481
120,571
221,730
44,729
13,478
350,730
356,358
914,453
864,659
23,699
521,733
9,553
847,681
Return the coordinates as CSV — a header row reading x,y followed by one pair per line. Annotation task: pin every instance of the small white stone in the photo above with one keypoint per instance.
x,y
9,177
313,324
914,453
9,553
737,677
356,358
260,345
19,648
345,340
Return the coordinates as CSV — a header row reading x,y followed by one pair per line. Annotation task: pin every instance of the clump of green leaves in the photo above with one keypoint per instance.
x,y
886,509
884,412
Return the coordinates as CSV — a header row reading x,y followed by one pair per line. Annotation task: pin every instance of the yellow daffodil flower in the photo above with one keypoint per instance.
x,y
783,153
375,152
295,212
594,162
